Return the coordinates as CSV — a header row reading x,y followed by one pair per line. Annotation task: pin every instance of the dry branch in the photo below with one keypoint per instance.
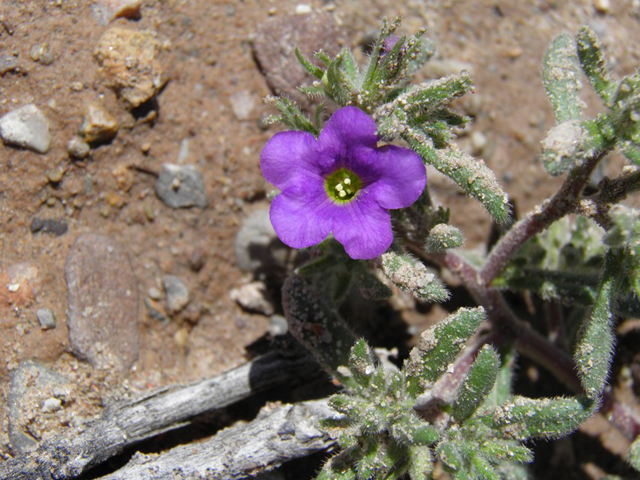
x,y
124,424
275,436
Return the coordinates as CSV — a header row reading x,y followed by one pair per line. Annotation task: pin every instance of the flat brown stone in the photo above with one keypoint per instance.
x,y
274,48
103,302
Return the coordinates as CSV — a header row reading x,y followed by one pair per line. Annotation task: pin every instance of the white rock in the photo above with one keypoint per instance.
x,y
26,127
253,297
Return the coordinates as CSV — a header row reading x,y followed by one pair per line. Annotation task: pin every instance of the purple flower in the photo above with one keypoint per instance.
x,y
341,183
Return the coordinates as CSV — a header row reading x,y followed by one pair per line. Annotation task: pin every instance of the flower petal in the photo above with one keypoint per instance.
x,y
302,215
288,156
348,128
363,227
402,177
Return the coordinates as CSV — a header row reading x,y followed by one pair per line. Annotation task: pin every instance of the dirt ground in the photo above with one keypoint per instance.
x,y
207,111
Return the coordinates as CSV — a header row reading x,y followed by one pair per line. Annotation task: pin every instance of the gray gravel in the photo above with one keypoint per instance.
x,y
181,186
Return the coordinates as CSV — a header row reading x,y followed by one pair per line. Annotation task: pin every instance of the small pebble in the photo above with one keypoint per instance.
x,y
46,318
42,53
98,125
257,246
242,104
78,148
154,293
181,186
602,6
197,259
253,297
49,225
129,64
51,405
303,8
105,11
8,63
278,325
177,293
26,127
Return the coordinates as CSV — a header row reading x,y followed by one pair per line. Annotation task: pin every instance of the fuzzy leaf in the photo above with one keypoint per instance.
x,y
320,329
410,275
477,384
371,288
420,463
570,144
439,346
361,363
499,450
594,350
501,390
411,430
561,78
525,418
593,62
633,456
472,175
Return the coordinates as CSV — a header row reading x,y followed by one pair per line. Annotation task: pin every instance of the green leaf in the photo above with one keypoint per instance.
x,y
362,363
434,94
569,144
561,78
633,456
320,329
524,418
593,63
420,463
472,175
477,384
410,275
411,430
594,350
439,346
501,390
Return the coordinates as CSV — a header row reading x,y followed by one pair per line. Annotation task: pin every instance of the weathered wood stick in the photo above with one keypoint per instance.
x,y
126,423
275,436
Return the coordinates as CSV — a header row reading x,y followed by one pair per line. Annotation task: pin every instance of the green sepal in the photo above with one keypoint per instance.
x,y
291,115
308,65
477,384
439,346
450,456
443,237
561,78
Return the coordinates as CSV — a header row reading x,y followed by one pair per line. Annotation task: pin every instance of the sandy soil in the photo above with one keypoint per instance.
x,y
206,63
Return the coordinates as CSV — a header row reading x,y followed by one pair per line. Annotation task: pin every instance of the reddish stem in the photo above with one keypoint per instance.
x,y
565,201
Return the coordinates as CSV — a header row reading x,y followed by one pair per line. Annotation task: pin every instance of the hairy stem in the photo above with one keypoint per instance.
x,y
565,201
508,327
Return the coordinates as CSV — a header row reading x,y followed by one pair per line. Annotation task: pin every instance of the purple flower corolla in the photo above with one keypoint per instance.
x,y
341,183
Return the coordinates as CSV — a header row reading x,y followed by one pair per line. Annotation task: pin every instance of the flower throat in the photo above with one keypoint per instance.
x,y
342,185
